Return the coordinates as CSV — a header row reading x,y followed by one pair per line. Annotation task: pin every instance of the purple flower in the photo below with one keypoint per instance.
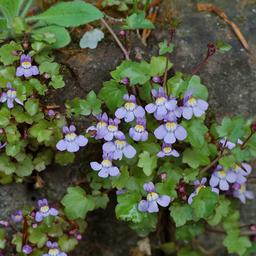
x,y
106,167
54,250
10,96
101,126
112,129
26,68
162,104
130,109
125,81
191,106
170,131
71,141
153,199
222,178
27,249
119,147
138,132
241,193
167,150
44,210
17,216
157,79
198,186
228,144
241,172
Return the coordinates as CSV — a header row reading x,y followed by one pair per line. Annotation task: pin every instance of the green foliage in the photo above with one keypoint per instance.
x,y
181,213
138,21
91,105
69,14
222,46
165,48
147,162
76,203
112,94
204,203
232,128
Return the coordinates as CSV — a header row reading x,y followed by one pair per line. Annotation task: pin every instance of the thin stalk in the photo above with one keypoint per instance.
x,y
246,140
165,76
26,8
116,39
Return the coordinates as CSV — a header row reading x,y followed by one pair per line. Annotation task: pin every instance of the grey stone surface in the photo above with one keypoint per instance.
x,y
230,79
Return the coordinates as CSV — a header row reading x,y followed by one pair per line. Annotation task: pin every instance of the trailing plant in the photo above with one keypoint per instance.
x,y
43,230
167,162
29,123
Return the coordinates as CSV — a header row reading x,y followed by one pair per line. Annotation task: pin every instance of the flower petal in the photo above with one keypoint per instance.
x,y
187,113
151,108
224,185
153,207
143,206
95,166
180,133
120,112
129,151
164,200
72,147
160,132
61,145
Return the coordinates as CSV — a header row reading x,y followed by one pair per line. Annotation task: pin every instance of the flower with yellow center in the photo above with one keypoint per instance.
x,y
130,106
53,252
167,149
101,124
26,64
106,163
120,144
44,209
171,126
192,101
160,100
112,128
152,196
70,136
139,128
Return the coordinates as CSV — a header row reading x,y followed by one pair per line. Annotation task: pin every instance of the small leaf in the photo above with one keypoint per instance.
x,y
223,46
147,163
61,34
164,47
112,94
91,39
181,213
76,203
138,21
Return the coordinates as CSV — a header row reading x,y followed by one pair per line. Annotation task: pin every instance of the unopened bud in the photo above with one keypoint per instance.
x,y
253,127
122,33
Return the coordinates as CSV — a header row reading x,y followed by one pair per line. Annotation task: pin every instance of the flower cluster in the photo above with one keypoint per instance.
x,y
232,180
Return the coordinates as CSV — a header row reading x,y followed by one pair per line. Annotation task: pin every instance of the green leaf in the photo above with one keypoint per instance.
x,y
189,231
6,166
204,203
158,65
195,157
61,34
196,132
37,236
4,117
221,210
57,82
51,68
69,14
120,181
76,203
147,162
176,85
112,94
232,128
64,158
32,106
6,51
126,208
92,106
138,21
181,213
12,134
10,9
67,244
41,131
223,46
25,167
237,244
17,241
198,90
188,252
13,149
164,47
227,161
2,239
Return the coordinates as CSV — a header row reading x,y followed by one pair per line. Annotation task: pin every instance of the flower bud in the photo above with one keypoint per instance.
x,y
157,79
125,81
211,49
163,176
122,33
253,126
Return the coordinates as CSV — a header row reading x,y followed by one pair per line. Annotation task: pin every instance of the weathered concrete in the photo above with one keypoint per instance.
x,y
230,79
